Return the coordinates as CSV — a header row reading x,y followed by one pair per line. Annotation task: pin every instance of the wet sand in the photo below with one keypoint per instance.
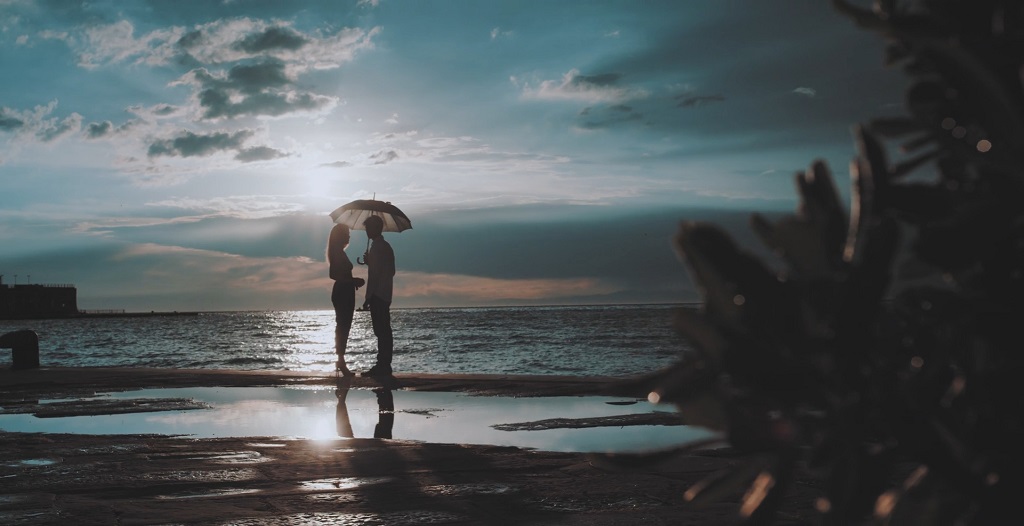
x,y
149,479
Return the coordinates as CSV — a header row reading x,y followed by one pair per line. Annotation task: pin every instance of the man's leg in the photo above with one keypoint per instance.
x,y
380,315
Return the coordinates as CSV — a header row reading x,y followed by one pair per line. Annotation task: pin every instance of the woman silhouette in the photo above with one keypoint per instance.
x,y
343,296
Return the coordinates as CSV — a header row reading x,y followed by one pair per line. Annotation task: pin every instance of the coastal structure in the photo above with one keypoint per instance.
x,y
37,301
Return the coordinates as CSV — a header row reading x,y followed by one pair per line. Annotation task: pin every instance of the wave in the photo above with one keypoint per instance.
x,y
254,360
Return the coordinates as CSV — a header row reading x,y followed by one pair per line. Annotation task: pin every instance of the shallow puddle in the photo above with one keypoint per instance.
x,y
437,417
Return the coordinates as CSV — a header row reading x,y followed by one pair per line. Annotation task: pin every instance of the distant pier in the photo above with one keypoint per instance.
x,y
121,313
44,301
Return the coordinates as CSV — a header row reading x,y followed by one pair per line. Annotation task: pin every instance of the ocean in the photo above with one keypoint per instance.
x,y
619,340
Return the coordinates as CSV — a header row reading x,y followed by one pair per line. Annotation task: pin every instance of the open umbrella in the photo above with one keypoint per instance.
x,y
353,214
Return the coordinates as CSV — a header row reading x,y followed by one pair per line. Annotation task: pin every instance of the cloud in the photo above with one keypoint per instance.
x,y
258,89
384,157
693,101
263,59
272,39
383,138
51,129
38,124
227,41
100,45
260,153
475,290
9,121
195,270
238,206
95,130
218,42
606,117
807,92
601,88
156,111
497,33
337,164
99,130
190,144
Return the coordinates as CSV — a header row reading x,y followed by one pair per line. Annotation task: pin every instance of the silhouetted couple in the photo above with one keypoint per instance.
x,y
380,262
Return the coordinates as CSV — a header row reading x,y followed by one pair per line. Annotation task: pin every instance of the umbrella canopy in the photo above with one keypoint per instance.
x,y
353,214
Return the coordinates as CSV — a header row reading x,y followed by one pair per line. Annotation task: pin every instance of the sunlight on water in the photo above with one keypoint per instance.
x,y
582,341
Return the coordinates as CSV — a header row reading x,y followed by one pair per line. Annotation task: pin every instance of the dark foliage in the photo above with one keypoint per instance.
x,y
905,396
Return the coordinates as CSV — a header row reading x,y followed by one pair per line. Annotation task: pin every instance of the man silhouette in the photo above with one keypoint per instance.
x,y
380,262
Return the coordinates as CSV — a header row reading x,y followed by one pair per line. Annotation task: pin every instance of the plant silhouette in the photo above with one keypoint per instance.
x,y
885,357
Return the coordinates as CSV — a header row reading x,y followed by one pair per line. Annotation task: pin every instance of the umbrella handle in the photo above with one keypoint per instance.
x,y
360,260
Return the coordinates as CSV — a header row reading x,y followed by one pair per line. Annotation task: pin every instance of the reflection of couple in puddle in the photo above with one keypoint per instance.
x,y
385,410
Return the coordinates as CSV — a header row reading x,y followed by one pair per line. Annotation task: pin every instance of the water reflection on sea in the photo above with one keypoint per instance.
x,y
579,341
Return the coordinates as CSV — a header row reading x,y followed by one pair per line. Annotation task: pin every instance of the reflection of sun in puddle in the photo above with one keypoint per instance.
x,y
345,483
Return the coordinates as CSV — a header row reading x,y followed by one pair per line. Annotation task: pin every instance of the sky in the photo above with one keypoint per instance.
x,y
185,155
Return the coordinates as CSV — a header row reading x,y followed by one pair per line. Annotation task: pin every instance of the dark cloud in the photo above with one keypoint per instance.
x,y
9,122
192,40
254,78
272,104
337,164
629,248
97,130
727,52
262,88
194,145
591,118
270,39
691,101
259,153
164,109
604,79
384,156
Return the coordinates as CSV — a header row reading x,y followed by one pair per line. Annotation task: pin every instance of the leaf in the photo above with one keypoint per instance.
x,y
906,167
918,142
768,490
702,335
891,127
725,483
730,279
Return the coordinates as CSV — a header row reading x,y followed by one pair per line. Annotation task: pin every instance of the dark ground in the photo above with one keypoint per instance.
x,y
145,479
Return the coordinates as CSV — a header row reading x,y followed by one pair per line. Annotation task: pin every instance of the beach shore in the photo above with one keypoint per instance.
x,y
151,479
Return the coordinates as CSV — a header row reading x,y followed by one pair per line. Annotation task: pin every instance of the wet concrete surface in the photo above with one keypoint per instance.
x,y
54,478
563,423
